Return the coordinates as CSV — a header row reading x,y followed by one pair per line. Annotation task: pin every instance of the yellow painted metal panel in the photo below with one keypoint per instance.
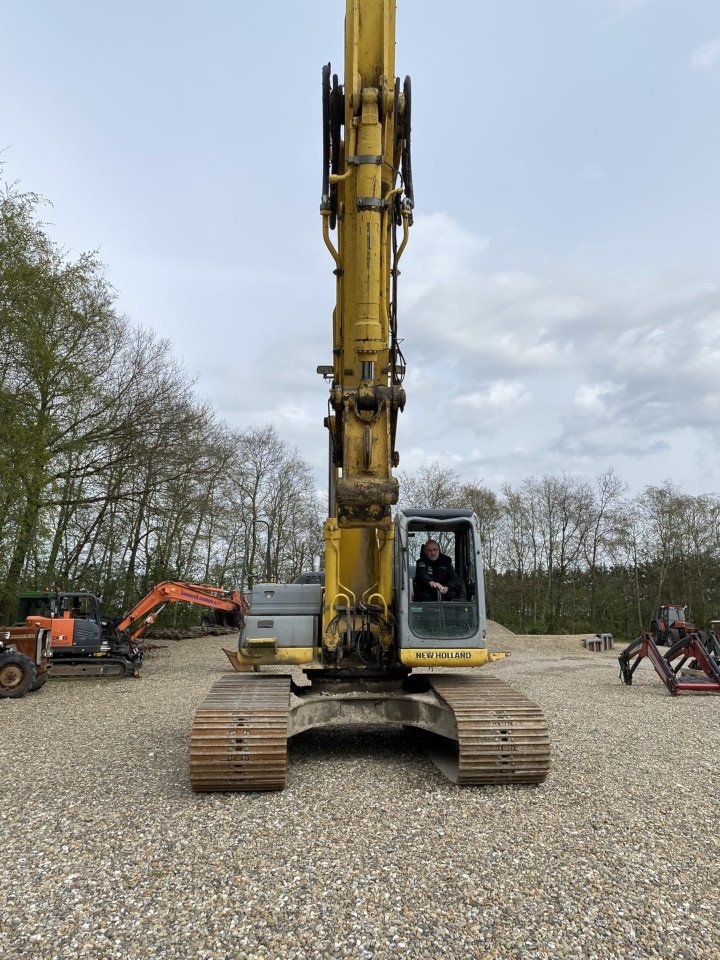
x,y
277,657
448,657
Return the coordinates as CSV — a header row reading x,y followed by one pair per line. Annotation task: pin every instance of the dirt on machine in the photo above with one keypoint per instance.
x,y
373,643
25,654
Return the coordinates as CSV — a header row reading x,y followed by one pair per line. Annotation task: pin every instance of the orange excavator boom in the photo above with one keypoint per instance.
x,y
177,591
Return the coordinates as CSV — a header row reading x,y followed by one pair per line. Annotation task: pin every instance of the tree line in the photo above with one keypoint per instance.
x,y
564,554
114,476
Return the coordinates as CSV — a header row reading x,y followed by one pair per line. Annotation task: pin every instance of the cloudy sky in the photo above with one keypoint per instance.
x,y
560,296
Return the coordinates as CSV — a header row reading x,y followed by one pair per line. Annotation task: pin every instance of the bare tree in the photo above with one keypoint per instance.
x,y
435,487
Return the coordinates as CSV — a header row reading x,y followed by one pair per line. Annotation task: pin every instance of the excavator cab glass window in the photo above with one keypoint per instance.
x,y
81,606
35,605
453,613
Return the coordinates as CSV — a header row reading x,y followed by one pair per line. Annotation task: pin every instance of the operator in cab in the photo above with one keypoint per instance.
x,y
435,577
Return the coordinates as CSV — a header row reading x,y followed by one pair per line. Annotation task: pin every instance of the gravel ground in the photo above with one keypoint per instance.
x,y
369,852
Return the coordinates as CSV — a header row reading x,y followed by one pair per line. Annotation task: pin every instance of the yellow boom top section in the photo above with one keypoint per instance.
x,y
367,195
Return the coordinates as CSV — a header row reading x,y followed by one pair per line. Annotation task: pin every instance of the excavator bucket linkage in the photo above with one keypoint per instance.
x,y
688,654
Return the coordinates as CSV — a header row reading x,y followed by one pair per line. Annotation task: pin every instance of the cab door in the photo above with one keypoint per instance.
x,y
440,632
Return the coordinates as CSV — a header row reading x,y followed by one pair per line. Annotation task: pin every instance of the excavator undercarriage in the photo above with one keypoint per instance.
x,y
484,731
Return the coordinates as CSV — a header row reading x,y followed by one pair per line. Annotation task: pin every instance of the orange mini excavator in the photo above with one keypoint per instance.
x,y
84,643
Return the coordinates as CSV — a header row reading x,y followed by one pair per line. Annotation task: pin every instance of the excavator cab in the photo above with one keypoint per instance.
x,y
73,619
451,628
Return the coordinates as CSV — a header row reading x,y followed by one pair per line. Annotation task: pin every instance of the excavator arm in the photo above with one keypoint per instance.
x,y
367,195
175,591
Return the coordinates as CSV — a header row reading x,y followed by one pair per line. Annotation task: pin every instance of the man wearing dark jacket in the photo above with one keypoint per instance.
x,y
435,577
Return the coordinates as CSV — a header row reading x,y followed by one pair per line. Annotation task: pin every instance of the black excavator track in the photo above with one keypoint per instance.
x,y
240,732
239,735
502,735
105,666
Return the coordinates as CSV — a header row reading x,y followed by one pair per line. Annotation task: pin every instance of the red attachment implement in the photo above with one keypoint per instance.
x,y
688,650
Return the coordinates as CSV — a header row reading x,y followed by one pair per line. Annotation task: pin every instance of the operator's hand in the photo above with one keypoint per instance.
x,y
438,586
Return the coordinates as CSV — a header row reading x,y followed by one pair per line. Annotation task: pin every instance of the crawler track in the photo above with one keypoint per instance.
x,y
240,732
502,735
239,735
107,666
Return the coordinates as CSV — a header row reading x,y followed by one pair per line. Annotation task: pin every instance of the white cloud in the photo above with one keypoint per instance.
x,y
705,363
591,398
441,248
506,319
706,55
523,374
500,396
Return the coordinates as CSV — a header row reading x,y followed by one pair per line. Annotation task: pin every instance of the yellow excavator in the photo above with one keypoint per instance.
x,y
358,647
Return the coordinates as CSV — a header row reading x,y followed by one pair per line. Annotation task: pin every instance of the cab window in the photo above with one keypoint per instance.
x,y
457,618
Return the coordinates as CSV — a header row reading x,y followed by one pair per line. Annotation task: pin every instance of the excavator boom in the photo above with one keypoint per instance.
x,y
367,191
175,591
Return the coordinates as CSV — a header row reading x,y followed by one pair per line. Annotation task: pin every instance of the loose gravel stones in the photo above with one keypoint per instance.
x,y
369,852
